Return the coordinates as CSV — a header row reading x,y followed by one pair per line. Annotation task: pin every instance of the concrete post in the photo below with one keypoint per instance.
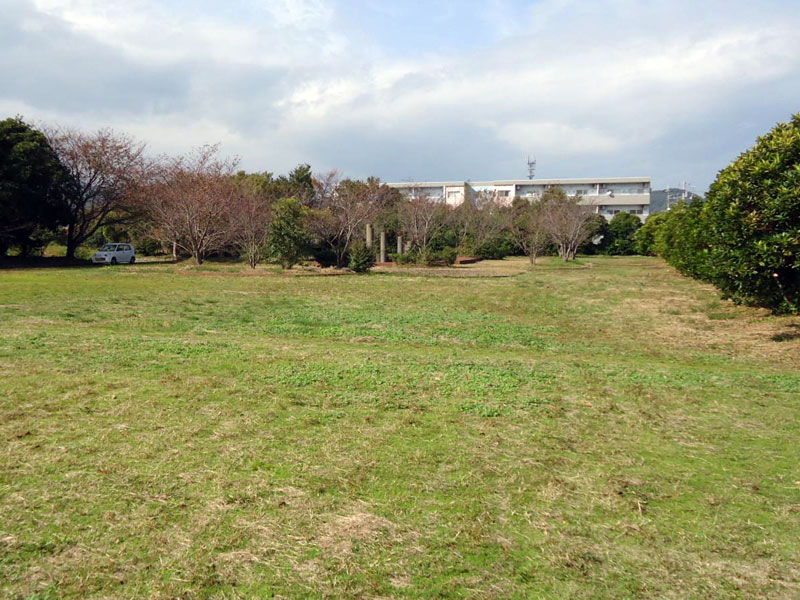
x,y
399,244
369,235
383,247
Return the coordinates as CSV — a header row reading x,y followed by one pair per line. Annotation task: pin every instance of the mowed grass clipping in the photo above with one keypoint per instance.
x,y
604,430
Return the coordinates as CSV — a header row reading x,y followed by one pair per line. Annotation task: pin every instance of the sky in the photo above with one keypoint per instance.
x,y
412,91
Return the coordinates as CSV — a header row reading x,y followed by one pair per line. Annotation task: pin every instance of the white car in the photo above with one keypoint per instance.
x,y
111,254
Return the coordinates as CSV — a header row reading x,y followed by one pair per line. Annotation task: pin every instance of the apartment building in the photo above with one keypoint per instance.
x,y
607,195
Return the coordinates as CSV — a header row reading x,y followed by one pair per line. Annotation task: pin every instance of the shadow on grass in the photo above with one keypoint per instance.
x,y
61,262
786,336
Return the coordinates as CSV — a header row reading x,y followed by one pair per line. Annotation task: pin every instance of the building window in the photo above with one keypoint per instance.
x,y
502,193
580,192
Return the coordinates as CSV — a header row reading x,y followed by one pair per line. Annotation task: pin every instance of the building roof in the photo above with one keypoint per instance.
x,y
578,181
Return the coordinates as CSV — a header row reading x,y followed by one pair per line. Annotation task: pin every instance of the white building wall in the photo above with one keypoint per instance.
x,y
607,195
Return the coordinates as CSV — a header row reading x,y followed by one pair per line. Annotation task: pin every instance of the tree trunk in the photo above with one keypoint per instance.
x,y
340,253
174,250
71,245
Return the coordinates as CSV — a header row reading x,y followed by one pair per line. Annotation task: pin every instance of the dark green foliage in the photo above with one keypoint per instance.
x,y
405,258
297,184
622,234
444,237
682,240
288,239
745,237
362,259
752,221
495,248
31,179
599,228
445,256
431,258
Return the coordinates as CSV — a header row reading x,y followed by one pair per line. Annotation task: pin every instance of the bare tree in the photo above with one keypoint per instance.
x,y
567,221
422,217
325,185
476,222
190,201
103,170
345,207
250,219
526,224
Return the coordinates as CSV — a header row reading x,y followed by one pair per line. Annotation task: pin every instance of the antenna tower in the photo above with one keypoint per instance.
x,y
531,167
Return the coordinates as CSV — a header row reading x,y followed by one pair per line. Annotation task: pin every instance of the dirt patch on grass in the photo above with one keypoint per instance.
x,y
343,532
749,332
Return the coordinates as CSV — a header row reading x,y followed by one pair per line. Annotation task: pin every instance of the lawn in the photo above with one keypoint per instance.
x,y
604,430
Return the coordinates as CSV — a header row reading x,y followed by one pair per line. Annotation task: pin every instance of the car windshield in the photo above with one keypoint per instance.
x,y
108,248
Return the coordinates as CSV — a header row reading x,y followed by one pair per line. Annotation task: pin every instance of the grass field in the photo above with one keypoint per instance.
x,y
606,430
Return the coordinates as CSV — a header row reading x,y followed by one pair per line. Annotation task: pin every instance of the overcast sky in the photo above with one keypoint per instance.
x,y
413,90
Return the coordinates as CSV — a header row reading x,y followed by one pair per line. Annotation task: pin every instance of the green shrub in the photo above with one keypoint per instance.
x,y
745,236
598,226
495,249
288,237
445,256
682,239
645,241
751,219
362,259
622,234
448,255
406,258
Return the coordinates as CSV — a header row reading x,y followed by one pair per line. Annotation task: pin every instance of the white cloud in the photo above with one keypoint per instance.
x,y
279,81
269,33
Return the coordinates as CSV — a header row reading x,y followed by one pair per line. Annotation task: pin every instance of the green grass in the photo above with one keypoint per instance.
x,y
611,430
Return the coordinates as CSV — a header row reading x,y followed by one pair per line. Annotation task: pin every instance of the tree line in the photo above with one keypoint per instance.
x,y
89,188
744,236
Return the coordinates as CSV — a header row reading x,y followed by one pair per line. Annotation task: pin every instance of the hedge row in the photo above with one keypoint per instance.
x,y
745,236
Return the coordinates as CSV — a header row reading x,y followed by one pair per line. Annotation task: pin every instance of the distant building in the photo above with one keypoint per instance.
x,y
608,195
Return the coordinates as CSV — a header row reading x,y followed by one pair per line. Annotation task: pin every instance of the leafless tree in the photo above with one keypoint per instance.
x,y
477,221
103,169
250,218
344,208
567,221
526,224
325,185
421,217
190,200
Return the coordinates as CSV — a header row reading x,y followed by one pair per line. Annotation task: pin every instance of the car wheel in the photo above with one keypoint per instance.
x,y
133,259
113,260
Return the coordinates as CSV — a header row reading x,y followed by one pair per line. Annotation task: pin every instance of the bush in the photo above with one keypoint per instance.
x,y
622,234
495,249
598,225
288,237
751,219
433,258
362,259
406,258
645,240
682,240
745,237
